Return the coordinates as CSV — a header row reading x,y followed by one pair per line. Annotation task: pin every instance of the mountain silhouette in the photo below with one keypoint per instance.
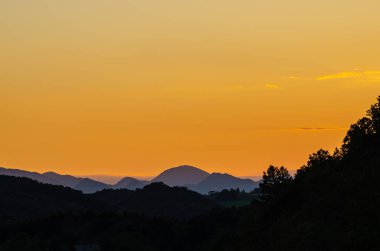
x,y
181,176
87,185
130,183
65,180
217,182
32,175
185,176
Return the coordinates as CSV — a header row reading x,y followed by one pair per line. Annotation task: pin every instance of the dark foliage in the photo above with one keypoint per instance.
x,y
275,180
158,199
234,197
23,198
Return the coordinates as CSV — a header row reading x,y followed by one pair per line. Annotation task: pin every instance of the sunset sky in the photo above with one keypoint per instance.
x,y
123,87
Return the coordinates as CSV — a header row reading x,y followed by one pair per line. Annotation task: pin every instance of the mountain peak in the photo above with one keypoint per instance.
x,y
185,167
32,175
220,181
181,176
65,180
130,183
87,185
222,175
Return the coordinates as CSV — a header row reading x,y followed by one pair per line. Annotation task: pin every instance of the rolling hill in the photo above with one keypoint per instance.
x,y
87,185
217,182
23,198
130,183
184,176
181,176
32,175
65,180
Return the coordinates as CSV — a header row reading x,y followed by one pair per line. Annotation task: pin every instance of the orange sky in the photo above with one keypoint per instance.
x,y
124,87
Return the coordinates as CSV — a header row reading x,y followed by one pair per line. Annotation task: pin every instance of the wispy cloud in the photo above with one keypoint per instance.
x,y
319,128
306,129
361,75
272,86
293,77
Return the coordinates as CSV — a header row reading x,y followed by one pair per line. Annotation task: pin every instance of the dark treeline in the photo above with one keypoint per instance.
x,y
235,197
23,199
332,203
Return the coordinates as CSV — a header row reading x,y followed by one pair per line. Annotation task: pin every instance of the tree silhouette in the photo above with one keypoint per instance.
x,y
274,179
317,160
374,114
363,133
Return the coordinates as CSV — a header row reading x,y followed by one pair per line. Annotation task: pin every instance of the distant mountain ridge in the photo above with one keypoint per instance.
x,y
65,180
87,185
202,182
183,176
217,182
32,175
130,183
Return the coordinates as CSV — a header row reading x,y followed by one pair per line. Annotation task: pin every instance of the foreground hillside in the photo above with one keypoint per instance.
x,y
332,203
158,199
23,199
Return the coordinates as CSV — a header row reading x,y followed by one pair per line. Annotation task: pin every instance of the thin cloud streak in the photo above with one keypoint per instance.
x,y
272,86
302,128
360,75
319,128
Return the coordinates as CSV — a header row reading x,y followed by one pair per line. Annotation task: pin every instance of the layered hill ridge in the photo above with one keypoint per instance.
x,y
65,180
87,185
130,183
32,175
218,182
183,176
202,182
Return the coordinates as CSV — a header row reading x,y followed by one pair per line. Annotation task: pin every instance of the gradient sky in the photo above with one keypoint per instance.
x,y
124,87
